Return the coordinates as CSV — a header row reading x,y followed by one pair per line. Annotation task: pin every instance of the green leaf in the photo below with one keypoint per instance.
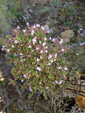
x,y
19,111
7,37
45,95
45,9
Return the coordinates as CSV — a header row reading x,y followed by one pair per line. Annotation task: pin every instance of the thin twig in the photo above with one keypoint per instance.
x,y
6,106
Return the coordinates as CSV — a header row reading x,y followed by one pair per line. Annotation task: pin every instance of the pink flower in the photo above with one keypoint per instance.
x,y
18,27
47,87
27,23
55,55
21,54
61,41
62,50
40,83
22,80
24,30
58,67
15,41
12,46
50,56
38,25
51,61
39,42
44,44
32,33
37,48
24,76
38,68
38,59
60,82
45,39
56,81
50,38
29,46
65,68
49,64
8,50
41,51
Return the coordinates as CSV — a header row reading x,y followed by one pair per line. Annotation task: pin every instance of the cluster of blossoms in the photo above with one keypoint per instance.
x,y
36,58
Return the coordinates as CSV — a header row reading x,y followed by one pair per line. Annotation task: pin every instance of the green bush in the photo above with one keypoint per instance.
x,y
38,61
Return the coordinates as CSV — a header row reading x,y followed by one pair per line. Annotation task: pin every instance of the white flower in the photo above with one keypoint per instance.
x,y
39,42
15,54
29,46
77,53
21,60
41,57
35,37
44,44
51,61
8,50
21,54
15,30
37,48
46,47
40,83
24,76
60,82
27,23
61,41
54,39
15,41
54,59
49,64
38,25
32,32
46,51
82,43
62,50
38,59
12,46
2,49
80,29
50,56
48,31
45,38
30,88
3,46
65,68
24,30
22,80
34,26
56,81
41,51
50,38
43,28
47,87
38,68
58,67
34,41
55,55
18,27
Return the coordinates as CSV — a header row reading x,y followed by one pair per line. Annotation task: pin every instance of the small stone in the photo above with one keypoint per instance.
x,y
67,35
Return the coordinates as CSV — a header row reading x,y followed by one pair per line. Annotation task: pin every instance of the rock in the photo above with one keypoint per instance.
x,y
67,35
80,101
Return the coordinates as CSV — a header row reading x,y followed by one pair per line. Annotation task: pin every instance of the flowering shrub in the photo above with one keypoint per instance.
x,y
38,61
